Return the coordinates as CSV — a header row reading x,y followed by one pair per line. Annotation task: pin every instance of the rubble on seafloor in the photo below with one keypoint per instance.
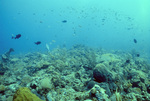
x,y
76,74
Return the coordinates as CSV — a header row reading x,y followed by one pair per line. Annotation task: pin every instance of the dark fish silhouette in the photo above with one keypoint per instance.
x,y
38,42
17,36
138,55
135,41
64,21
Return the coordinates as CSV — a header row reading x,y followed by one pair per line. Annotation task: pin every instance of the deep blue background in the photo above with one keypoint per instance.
x,y
109,24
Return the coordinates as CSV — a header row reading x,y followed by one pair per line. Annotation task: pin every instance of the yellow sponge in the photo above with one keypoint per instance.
x,y
24,94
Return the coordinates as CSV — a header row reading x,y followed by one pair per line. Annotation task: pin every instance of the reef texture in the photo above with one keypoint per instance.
x,y
77,74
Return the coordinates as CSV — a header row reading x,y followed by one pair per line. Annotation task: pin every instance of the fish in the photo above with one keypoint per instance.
x,y
64,21
16,37
38,42
138,55
47,47
135,41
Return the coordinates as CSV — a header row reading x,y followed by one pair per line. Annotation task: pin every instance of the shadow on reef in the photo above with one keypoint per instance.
x,y
76,74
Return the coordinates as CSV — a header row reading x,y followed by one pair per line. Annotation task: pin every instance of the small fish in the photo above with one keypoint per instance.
x,y
16,37
135,41
47,47
41,21
138,55
64,21
38,42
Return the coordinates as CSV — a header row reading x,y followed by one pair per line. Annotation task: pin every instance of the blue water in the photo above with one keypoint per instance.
x,y
96,23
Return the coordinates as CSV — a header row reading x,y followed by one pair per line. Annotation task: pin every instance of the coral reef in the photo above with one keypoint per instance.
x,y
6,56
76,74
